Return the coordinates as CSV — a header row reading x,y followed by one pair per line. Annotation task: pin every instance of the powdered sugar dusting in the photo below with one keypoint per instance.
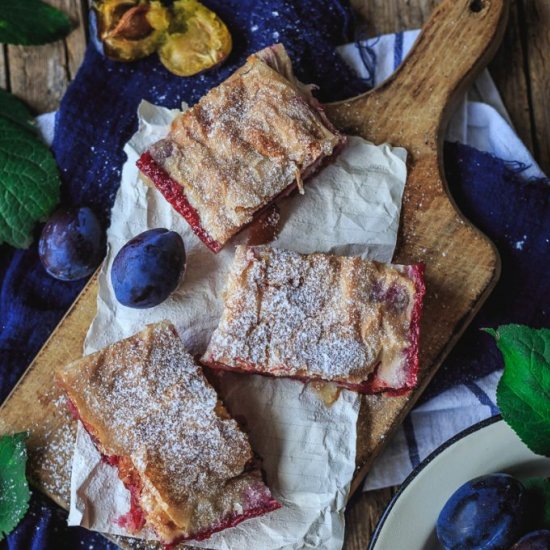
x,y
313,316
145,400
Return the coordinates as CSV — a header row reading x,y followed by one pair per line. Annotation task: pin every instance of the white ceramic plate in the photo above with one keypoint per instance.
x,y
490,446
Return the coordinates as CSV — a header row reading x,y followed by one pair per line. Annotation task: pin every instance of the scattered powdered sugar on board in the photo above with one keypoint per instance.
x,y
55,459
50,455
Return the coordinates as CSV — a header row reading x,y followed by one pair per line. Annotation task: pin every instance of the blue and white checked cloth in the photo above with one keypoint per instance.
x,y
481,121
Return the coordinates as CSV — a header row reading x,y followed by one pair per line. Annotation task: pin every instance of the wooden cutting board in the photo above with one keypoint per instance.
x,y
411,110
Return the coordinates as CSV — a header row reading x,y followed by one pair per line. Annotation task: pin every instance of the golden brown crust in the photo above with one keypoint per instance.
x,y
145,401
317,316
246,142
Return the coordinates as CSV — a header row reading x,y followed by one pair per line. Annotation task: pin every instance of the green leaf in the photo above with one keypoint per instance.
x,y
29,183
15,110
30,22
538,497
14,489
523,393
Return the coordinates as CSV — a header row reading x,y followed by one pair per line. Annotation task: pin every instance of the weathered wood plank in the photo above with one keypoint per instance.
x,y
362,515
4,80
40,74
508,71
76,41
536,25
385,16
37,75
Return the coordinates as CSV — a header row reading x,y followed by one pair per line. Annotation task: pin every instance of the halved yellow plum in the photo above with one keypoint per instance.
x,y
131,29
197,39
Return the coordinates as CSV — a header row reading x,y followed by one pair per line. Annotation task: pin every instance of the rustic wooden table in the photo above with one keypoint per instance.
x,y
521,69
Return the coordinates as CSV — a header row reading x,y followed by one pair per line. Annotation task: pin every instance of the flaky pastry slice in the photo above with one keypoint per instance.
x,y
339,319
153,415
254,138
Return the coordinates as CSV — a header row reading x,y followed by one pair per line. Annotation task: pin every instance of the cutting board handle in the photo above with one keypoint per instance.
x,y
457,41
411,108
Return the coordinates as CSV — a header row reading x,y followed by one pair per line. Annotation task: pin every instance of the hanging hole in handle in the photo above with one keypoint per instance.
x,y
476,6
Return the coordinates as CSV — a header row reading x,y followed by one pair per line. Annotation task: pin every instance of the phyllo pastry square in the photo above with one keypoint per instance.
x,y
252,139
339,319
152,414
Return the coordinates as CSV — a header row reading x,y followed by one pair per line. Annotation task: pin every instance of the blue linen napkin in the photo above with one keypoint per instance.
x,y
97,116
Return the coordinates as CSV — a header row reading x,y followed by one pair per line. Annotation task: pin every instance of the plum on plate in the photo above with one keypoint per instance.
x,y
72,244
486,513
536,540
148,268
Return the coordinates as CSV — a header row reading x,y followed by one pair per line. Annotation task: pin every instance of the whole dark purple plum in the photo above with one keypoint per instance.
x,y
485,513
148,268
536,540
72,244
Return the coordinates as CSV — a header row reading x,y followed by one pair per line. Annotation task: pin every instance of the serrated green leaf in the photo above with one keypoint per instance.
x,y
14,489
538,496
523,393
29,183
15,110
31,22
